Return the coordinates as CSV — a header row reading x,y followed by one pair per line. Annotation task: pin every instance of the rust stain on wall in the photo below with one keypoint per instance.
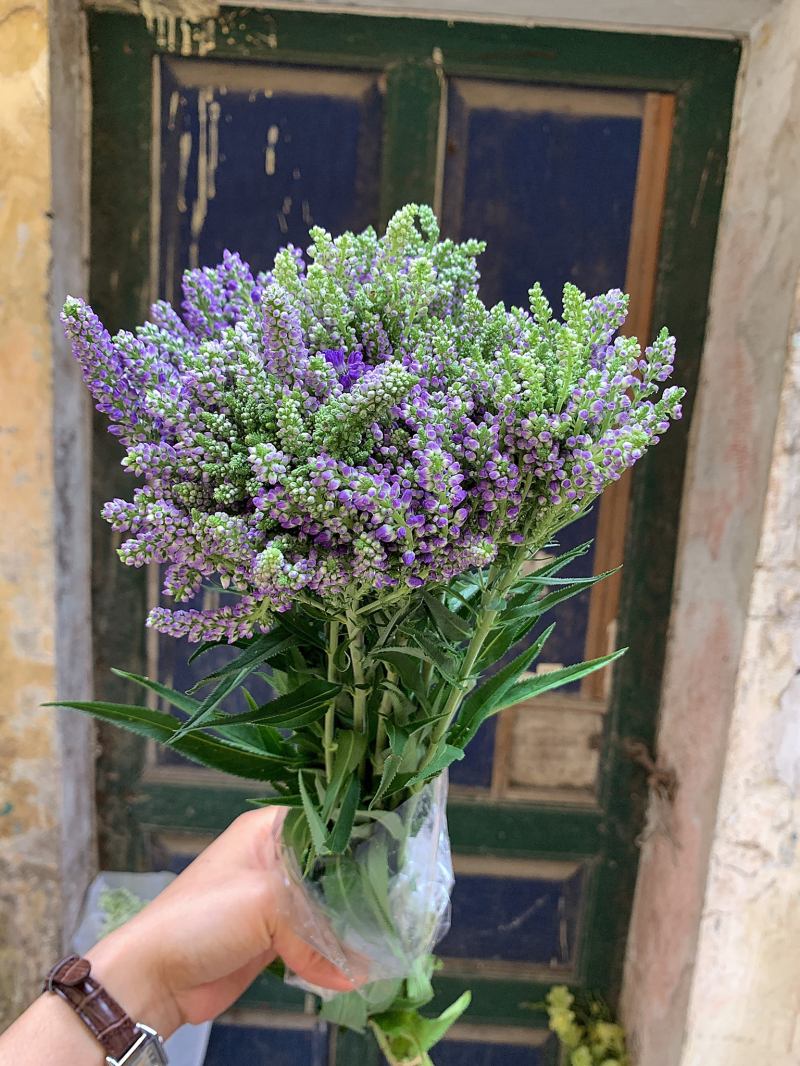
x,y
29,828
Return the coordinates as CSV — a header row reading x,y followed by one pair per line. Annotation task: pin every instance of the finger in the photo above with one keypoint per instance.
x,y
312,966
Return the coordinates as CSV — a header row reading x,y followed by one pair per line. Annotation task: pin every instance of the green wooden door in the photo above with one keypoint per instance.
x,y
596,158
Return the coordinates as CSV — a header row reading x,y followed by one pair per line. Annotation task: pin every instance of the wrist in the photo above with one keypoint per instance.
x,y
130,969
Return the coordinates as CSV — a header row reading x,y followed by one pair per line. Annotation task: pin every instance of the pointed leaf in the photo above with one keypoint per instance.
x,y
390,767
495,686
350,749
199,747
339,836
301,707
205,710
525,690
535,686
431,1030
177,699
316,826
532,603
445,755
443,662
448,622
277,801
260,651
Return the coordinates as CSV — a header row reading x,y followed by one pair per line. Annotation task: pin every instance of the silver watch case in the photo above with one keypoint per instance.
x,y
147,1051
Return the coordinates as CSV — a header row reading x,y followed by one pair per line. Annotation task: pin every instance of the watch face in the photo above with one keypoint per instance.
x,y
150,1054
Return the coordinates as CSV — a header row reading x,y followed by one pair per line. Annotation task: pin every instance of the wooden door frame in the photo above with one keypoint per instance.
x,y
700,75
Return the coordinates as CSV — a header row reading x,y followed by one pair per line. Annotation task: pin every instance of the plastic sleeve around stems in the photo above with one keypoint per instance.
x,y
378,909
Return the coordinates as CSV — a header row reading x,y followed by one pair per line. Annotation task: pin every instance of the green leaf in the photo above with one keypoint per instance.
x,y
294,623
560,561
339,836
503,639
494,687
259,651
375,876
431,1030
199,747
445,755
443,662
352,1009
448,622
407,662
277,801
391,822
177,699
301,707
348,1009
205,710
535,686
296,834
399,698
390,767
533,604
319,834
350,749
206,646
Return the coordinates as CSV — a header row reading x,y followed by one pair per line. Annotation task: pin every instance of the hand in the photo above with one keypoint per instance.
x,y
191,952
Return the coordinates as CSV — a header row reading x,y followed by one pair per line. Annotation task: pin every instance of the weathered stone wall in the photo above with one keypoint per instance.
x,y
719,605
45,780
745,998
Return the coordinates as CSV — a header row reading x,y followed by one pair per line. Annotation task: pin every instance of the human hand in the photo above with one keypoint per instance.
x,y
191,952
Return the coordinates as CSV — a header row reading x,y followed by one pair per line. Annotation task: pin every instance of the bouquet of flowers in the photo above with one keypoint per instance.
x,y
367,463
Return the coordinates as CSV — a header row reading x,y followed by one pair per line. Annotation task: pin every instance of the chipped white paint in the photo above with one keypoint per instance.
x,y
270,155
208,112
184,155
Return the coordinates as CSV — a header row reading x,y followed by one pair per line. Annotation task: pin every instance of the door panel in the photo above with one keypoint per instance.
x,y
555,145
548,177
253,156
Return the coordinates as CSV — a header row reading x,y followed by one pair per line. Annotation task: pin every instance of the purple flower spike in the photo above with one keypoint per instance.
x,y
349,368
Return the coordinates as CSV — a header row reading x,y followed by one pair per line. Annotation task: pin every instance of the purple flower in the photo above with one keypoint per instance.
x,y
349,368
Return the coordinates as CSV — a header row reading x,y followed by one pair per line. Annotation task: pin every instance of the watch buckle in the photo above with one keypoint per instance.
x,y
149,1036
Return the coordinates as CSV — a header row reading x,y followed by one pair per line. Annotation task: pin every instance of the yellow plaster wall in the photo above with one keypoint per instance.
x,y
29,742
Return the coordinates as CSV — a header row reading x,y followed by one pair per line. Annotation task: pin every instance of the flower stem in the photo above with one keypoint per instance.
x,y
383,712
383,1043
330,713
356,635
492,594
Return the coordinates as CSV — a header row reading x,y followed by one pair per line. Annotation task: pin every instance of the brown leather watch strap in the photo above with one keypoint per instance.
x,y
100,1013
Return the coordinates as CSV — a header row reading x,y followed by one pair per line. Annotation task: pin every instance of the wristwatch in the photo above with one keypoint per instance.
x,y
126,1043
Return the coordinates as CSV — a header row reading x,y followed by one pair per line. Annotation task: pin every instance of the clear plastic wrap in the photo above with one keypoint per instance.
x,y
379,909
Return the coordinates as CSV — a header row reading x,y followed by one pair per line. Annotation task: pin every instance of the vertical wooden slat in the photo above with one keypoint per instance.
x,y
412,116
640,284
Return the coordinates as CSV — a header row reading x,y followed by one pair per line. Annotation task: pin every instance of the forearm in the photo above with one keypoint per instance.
x,y
50,1032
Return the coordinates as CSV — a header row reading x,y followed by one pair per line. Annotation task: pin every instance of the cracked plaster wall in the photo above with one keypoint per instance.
x,y
745,998
46,819
701,949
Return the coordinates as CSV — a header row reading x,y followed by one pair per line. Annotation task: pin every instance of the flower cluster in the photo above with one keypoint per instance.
x,y
357,422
